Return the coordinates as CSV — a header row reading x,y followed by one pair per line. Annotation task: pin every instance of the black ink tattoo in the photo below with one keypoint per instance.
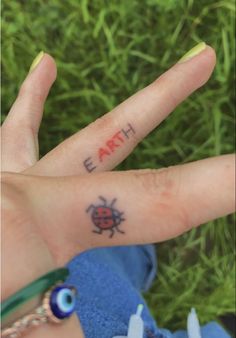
x,y
89,165
126,132
105,217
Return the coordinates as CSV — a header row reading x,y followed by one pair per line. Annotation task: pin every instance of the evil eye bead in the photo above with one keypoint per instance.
x,y
62,301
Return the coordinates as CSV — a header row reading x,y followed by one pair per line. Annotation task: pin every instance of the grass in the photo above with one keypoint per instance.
x,y
106,51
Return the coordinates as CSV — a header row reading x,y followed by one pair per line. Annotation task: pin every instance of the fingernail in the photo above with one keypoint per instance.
x,y
193,52
36,61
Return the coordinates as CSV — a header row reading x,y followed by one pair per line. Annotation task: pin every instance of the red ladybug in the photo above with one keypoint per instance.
x,y
106,217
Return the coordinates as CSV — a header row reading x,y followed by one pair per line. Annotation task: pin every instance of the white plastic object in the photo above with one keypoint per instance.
x,y
193,326
136,326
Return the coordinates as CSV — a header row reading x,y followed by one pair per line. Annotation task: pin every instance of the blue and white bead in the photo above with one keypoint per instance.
x,y
62,301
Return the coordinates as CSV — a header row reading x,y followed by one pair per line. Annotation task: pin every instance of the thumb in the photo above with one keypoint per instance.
x,y
20,129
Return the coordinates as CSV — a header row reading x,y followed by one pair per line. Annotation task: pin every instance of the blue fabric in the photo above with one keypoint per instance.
x,y
109,283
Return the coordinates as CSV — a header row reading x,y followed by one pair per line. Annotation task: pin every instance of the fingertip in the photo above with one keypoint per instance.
x,y
210,56
198,68
34,90
43,67
211,52
207,62
50,63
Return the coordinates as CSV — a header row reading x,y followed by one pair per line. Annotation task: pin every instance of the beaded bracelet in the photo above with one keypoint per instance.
x,y
58,304
37,287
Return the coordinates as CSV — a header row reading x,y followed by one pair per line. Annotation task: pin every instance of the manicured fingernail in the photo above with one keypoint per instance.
x,y
36,61
193,52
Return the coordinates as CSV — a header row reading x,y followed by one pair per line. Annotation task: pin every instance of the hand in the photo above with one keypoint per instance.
x,y
54,210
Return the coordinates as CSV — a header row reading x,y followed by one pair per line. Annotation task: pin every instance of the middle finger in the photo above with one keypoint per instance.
x,y
110,139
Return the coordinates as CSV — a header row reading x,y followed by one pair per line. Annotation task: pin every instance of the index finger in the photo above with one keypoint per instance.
x,y
132,207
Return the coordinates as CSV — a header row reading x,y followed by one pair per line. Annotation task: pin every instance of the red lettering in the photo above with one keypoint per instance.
x,y
112,145
118,136
101,153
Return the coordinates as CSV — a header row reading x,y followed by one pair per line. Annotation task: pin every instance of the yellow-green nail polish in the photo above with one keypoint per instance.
x,y
36,61
193,52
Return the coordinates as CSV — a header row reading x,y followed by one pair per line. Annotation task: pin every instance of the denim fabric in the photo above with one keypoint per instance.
x,y
109,283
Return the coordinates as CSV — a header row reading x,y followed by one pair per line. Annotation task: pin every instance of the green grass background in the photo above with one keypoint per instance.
x,y
106,51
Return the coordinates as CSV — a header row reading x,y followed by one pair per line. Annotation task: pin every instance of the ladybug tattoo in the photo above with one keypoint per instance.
x,y
105,217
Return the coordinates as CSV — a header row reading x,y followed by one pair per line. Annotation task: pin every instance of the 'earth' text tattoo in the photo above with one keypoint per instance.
x,y
106,217
116,141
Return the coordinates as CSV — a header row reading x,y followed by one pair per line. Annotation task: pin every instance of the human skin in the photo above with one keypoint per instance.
x,y
48,204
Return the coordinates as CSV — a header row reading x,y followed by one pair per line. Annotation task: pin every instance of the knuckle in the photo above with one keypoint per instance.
x,y
148,180
171,184
103,122
173,98
163,181
169,178
165,188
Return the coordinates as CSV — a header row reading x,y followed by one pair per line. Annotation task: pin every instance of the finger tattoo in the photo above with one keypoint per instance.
x,y
105,216
110,147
